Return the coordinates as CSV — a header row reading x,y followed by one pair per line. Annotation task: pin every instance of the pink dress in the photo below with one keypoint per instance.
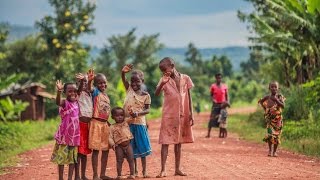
x,y
69,131
219,93
175,124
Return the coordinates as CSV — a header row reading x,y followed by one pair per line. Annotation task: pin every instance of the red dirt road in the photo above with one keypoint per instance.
x,y
212,158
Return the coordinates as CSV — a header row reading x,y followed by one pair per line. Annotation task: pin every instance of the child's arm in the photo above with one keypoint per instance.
x,y
59,87
111,141
127,68
80,78
90,74
278,101
165,78
262,100
191,108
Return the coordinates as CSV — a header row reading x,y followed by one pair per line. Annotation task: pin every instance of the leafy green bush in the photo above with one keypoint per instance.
x,y
296,107
11,110
17,137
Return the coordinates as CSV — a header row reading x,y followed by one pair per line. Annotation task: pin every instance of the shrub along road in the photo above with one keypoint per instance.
x,y
213,158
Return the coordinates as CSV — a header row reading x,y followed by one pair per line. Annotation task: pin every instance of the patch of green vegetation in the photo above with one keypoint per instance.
x,y
18,137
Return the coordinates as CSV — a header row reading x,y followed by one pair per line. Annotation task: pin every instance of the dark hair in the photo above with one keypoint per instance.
x,y
66,85
98,75
167,60
113,111
138,73
218,74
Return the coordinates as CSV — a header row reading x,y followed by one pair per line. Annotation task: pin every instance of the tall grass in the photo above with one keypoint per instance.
x,y
18,137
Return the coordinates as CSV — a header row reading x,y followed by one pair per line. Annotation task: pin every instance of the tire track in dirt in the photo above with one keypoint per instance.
x,y
207,158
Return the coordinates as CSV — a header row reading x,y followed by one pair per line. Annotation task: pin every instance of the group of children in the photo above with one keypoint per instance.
x,y
85,128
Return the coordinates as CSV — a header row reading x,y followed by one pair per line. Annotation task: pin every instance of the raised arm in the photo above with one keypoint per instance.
x,y
127,68
277,100
90,74
59,87
80,78
262,100
165,78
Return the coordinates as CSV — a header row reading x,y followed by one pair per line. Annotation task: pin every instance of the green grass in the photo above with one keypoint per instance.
x,y
18,137
302,136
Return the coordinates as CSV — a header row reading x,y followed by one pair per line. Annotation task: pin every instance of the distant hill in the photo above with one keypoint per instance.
x,y
237,54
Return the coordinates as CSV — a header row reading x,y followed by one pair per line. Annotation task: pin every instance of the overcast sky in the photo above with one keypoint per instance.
x,y
207,23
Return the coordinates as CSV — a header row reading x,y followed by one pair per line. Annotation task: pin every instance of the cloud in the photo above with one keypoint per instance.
x,y
208,30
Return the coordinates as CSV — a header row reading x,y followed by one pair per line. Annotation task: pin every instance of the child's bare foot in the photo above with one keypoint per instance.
x,y
145,175
207,136
136,173
120,177
269,154
179,173
131,177
162,174
105,177
275,154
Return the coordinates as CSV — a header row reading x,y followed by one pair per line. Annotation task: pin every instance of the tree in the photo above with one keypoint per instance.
x,y
60,32
193,56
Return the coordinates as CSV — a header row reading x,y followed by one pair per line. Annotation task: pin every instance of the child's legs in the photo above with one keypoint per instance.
x,y
60,171
129,154
270,147
220,132
119,158
135,166
94,160
76,167
71,169
104,160
275,146
177,155
225,132
144,165
83,159
164,154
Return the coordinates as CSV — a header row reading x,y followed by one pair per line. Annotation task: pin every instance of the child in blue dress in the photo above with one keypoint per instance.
x,y
136,106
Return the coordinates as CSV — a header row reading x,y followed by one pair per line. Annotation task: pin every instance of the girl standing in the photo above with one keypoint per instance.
x,y
136,106
273,105
68,135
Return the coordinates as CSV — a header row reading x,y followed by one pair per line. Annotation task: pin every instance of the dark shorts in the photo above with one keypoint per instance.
x,y
215,111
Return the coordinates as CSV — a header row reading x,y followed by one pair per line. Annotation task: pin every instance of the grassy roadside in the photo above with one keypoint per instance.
x,y
18,137
299,137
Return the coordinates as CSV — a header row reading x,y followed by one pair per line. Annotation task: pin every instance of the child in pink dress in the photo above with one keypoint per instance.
x,y
68,135
176,122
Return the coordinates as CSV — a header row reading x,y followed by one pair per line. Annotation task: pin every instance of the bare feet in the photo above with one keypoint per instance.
x,y
207,136
162,174
179,173
269,154
275,154
131,177
120,177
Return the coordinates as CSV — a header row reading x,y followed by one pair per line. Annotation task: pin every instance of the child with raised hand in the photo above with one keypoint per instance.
x,y
119,140
136,106
99,125
177,113
68,135
273,105
86,109
222,120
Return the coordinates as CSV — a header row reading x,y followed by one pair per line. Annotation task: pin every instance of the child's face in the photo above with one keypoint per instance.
x,y
166,67
101,83
273,88
84,84
218,79
136,82
118,115
71,92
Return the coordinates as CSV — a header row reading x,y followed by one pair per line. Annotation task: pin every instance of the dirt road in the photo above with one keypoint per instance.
x,y
212,158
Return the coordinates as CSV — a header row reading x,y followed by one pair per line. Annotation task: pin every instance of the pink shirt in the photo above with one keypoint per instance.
x,y
219,93
175,124
69,131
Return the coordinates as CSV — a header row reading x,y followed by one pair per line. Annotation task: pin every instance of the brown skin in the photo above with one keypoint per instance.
x,y
71,95
124,149
169,71
135,84
272,99
100,81
218,82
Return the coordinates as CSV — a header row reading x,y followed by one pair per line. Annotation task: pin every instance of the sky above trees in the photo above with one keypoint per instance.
x,y
206,23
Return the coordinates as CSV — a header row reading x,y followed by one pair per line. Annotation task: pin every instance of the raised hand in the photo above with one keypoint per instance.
x,y
80,76
127,68
166,77
59,85
90,75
